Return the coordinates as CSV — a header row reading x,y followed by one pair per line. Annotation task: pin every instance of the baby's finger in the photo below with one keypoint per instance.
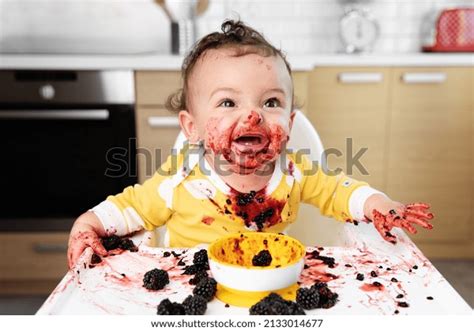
x,y
417,205
410,228
419,214
76,251
425,224
96,245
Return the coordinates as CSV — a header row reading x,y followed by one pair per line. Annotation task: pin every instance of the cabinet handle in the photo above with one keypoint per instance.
x,y
163,122
360,77
45,248
424,77
56,114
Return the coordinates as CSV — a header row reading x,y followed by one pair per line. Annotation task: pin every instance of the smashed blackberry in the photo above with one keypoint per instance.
x,y
329,261
95,259
327,298
308,298
360,277
111,242
166,307
200,258
206,288
200,275
244,199
155,279
373,274
402,304
262,259
127,244
195,305
260,219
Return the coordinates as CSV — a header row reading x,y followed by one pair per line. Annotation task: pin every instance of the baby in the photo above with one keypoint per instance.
x,y
236,109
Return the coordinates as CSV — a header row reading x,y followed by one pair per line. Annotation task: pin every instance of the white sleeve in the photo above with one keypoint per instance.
x,y
357,201
116,222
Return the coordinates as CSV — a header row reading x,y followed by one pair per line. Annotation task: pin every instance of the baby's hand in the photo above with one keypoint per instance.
x,y
387,214
83,235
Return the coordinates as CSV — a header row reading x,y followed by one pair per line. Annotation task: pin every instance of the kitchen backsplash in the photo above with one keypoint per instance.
x,y
297,26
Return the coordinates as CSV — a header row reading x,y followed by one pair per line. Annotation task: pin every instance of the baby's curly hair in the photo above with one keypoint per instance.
x,y
236,35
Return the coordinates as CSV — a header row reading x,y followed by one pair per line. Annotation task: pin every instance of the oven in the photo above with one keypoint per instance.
x,y
67,140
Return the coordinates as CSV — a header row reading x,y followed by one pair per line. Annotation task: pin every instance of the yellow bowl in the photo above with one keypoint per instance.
x,y
230,261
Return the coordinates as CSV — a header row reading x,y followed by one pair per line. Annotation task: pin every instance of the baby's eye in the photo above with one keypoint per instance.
x,y
272,103
227,103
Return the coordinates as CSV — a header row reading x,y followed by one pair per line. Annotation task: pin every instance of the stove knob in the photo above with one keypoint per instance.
x,y
47,91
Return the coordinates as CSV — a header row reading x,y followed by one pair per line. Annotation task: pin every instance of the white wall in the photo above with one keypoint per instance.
x,y
298,26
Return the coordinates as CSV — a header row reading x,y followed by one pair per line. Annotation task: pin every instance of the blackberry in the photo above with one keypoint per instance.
x,y
201,258
200,275
267,308
166,254
127,244
262,259
373,274
394,280
327,298
155,279
111,242
308,298
274,304
295,309
166,307
206,288
195,305
194,269
399,296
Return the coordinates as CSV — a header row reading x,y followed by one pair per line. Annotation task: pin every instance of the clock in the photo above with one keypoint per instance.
x,y
358,31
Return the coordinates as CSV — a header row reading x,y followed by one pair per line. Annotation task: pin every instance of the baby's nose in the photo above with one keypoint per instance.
x,y
254,118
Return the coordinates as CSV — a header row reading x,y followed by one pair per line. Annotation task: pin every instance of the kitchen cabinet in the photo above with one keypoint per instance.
x,y
348,107
431,153
157,127
32,263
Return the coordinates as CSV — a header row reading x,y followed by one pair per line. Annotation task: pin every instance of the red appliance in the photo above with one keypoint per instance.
x,y
454,31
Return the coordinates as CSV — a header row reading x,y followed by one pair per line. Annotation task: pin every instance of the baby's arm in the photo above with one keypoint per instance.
x,y
85,233
138,207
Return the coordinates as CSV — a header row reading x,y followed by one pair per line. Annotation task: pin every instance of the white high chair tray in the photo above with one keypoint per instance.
x,y
115,285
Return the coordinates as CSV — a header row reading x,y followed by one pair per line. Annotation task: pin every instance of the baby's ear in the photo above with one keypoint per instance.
x,y
186,122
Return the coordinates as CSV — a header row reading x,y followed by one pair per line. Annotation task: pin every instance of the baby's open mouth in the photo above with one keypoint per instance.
x,y
250,142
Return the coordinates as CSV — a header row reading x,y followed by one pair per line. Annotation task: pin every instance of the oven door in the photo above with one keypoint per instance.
x,y
58,161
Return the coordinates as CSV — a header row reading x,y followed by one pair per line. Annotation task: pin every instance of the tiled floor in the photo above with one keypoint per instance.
x,y
459,273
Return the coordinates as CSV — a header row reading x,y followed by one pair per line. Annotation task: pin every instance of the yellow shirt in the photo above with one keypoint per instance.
x,y
197,206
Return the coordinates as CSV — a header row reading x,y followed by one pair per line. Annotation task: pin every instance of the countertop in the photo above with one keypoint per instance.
x,y
172,63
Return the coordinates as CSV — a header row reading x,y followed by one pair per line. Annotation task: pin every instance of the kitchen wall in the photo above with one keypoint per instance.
x,y
127,26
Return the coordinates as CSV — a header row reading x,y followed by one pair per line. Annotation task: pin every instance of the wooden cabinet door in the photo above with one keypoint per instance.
x,y
157,129
32,263
431,153
349,107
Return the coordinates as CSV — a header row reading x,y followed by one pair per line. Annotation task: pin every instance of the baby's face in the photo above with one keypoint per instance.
x,y
240,107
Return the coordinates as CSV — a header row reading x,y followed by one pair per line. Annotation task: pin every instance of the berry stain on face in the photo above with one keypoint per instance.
x,y
248,146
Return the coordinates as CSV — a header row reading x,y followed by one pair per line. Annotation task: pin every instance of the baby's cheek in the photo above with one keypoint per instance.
x,y
278,136
218,134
